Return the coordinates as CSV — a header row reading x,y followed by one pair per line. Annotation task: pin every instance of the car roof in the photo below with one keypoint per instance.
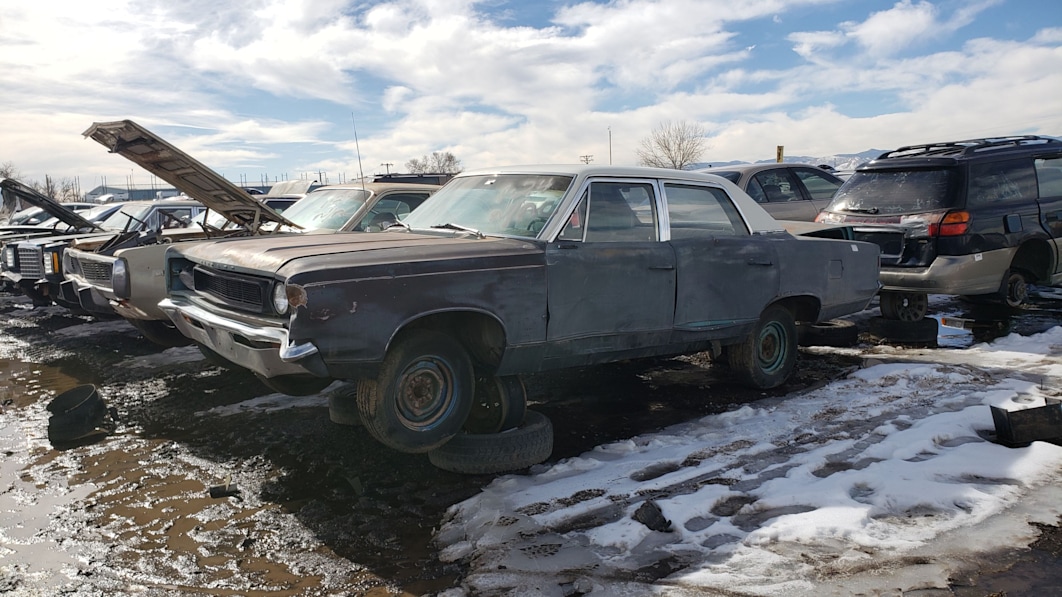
x,y
758,167
379,187
184,172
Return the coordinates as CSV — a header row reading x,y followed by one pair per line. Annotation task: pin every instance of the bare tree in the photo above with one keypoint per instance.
x,y
8,170
439,162
673,145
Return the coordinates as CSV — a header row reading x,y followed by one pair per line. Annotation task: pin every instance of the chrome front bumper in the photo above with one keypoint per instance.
x,y
262,349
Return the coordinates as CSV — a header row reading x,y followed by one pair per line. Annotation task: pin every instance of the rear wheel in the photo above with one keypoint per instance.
x,y
423,393
904,306
1015,289
767,356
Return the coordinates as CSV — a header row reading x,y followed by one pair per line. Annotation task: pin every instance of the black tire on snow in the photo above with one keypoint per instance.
x,y
422,395
833,332
922,331
766,357
162,333
491,453
500,404
295,384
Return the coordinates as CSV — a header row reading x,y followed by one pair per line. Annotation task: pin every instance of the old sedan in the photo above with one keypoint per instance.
x,y
786,191
511,271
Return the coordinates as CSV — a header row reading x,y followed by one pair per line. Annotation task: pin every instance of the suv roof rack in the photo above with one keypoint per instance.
x,y
968,147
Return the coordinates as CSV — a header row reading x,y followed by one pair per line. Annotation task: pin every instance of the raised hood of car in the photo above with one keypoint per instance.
x,y
268,254
18,196
184,172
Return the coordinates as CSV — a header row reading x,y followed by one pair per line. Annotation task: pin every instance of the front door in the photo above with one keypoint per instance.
x,y
611,281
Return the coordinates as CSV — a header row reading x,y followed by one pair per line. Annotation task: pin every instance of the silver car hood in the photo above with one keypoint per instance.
x,y
18,196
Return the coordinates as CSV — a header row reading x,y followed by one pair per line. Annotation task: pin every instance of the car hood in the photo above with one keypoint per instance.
x,y
267,255
18,196
184,172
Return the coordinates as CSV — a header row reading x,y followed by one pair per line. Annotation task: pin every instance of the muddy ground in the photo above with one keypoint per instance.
x,y
321,509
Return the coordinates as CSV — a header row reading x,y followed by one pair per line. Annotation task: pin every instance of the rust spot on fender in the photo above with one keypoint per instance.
x,y
296,295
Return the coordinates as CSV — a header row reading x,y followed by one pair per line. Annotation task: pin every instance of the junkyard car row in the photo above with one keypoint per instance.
x,y
435,301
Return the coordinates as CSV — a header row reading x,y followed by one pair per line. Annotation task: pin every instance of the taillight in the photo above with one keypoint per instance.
x,y
954,223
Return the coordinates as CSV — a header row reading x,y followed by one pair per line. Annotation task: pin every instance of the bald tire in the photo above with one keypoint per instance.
x,y
488,453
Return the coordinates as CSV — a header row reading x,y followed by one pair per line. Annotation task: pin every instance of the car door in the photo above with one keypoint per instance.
x,y
725,275
1049,187
610,279
782,193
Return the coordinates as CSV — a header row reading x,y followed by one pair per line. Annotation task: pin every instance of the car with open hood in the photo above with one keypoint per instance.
x,y
55,218
511,271
124,274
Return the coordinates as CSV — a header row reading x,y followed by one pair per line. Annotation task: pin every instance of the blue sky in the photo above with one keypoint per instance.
x,y
272,89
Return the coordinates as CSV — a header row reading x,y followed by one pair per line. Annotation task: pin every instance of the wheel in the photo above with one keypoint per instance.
x,y
904,306
1015,289
162,333
423,393
766,357
922,331
295,384
489,453
834,332
500,404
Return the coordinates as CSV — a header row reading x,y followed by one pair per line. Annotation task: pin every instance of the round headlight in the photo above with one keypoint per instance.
x,y
120,278
280,298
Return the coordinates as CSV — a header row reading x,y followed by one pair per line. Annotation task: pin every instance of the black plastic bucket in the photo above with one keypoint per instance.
x,y
76,413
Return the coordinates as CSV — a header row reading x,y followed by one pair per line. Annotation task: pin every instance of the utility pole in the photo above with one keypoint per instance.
x,y
609,146
586,159
388,166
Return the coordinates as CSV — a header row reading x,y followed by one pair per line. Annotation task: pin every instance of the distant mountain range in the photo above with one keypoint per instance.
x,y
843,161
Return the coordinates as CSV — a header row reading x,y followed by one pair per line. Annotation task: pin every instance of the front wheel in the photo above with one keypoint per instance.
x,y
766,357
423,393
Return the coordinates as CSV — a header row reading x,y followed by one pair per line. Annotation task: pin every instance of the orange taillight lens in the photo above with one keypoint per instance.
x,y
954,223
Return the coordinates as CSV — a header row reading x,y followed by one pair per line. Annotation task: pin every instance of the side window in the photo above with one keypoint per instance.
x,y
776,186
1049,176
573,230
174,217
993,183
697,211
818,186
755,190
620,212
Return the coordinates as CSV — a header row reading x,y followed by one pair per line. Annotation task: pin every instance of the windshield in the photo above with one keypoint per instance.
x,y
327,209
895,192
504,204
129,217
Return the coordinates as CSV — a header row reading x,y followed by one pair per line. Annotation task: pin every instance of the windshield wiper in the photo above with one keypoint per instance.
x,y
451,226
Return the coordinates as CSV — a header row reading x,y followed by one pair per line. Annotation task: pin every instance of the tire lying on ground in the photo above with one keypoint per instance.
x,y
833,332
922,331
490,453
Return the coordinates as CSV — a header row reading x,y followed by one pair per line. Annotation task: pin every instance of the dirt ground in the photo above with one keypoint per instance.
x,y
309,507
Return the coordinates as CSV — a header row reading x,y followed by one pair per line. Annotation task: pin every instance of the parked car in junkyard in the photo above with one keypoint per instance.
x,y
786,191
18,197
34,264
511,271
979,218
125,275
35,216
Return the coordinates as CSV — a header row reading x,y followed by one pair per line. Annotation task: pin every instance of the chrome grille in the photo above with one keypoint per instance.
x,y
242,292
30,262
96,271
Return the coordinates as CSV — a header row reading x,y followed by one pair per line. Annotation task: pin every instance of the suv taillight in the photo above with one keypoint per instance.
x,y
954,223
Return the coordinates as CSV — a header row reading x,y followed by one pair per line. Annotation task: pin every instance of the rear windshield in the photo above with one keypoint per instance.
x,y
727,174
895,192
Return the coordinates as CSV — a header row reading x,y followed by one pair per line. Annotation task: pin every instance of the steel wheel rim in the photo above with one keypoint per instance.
x,y
1017,290
771,348
425,393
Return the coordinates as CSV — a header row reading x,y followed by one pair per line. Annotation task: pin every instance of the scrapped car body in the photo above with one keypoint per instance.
x,y
125,275
18,197
787,191
978,218
34,264
512,271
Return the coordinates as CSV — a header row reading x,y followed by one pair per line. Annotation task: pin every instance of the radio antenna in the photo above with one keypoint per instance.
x,y
361,174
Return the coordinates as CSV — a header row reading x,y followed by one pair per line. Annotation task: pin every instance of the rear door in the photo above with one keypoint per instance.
x,y
1049,187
